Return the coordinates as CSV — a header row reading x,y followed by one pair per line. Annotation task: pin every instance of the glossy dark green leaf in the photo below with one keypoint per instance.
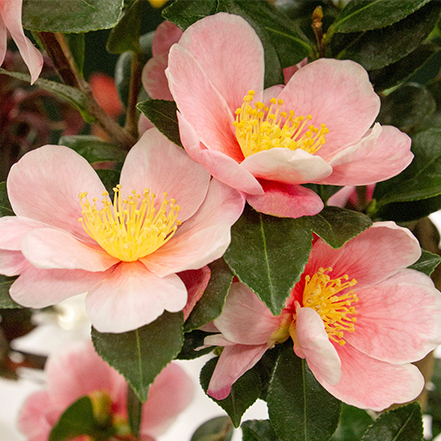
x,y
422,179
299,408
269,254
79,16
140,355
365,15
192,341
379,48
212,302
407,107
426,263
5,299
244,392
216,429
337,225
402,424
5,206
353,423
162,114
184,13
77,46
258,430
93,148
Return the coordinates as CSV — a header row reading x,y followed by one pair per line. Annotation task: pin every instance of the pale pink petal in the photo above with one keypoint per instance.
x,y
372,384
272,92
171,393
229,52
12,263
195,281
153,77
245,319
48,248
232,364
288,72
380,155
166,35
131,296
398,320
315,346
144,124
204,237
340,199
13,229
374,255
36,288
287,166
201,103
3,41
156,163
336,93
215,340
220,166
285,200
44,185
10,12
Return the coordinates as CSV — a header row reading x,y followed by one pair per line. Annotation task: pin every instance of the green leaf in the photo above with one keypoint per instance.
x,y
79,16
73,96
212,302
379,48
422,179
426,263
298,406
353,423
192,341
184,13
434,398
5,299
244,392
407,107
125,35
269,254
255,430
216,429
77,46
5,205
109,178
134,410
337,225
365,15
140,355
93,148
403,424
162,114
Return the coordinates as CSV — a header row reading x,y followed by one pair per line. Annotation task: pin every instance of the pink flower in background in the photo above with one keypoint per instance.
x,y
167,217
357,316
10,20
78,371
266,143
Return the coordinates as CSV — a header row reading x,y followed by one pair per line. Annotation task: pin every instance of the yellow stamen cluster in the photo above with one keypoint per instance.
x,y
326,296
132,228
263,128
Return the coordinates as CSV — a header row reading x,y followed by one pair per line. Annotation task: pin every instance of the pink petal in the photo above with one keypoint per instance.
x,y
3,41
220,166
374,255
48,248
229,52
44,185
153,77
13,229
170,394
315,346
12,263
285,200
245,319
232,364
203,238
341,198
195,281
380,155
144,124
10,13
201,103
166,35
156,163
337,93
36,288
131,296
287,166
398,320
372,384
288,72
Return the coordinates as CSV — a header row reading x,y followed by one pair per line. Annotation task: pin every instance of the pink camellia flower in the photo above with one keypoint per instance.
x,y
358,316
266,143
68,238
10,20
78,371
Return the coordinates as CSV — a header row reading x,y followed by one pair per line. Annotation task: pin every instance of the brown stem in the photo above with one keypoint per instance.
x,y
361,197
131,124
317,24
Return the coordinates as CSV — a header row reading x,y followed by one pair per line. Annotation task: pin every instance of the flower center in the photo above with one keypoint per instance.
x,y
332,301
261,128
132,228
